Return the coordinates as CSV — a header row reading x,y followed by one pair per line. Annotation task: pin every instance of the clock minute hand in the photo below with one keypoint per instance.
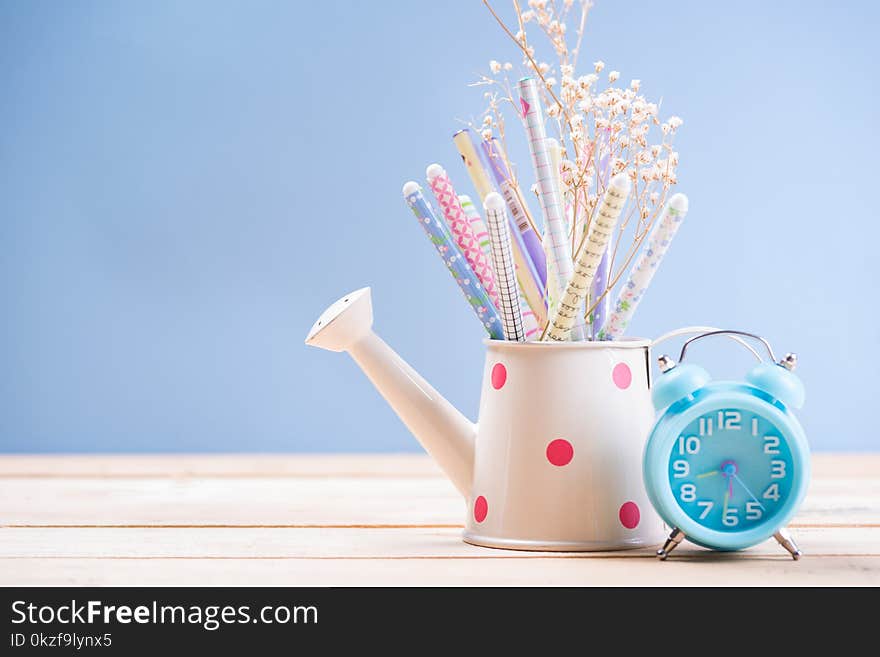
x,y
742,483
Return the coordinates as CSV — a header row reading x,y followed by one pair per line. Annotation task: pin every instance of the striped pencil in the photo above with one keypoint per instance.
x,y
477,223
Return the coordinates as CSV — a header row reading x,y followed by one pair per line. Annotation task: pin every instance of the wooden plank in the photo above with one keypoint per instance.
x,y
315,501
849,571
834,465
261,501
374,543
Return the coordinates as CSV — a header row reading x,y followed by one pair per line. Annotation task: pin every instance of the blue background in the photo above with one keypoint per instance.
x,y
184,187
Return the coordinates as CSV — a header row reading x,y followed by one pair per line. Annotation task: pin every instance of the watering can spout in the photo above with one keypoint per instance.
x,y
446,434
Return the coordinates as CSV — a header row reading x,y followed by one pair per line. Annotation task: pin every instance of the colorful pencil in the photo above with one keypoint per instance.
x,y
588,257
530,321
454,260
548,195
461,228
526,273
517,207
643,270
502,260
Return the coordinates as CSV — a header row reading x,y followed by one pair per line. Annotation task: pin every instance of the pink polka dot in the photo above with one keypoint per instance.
x,y
481,509
622,376
499,376
560,452
629,515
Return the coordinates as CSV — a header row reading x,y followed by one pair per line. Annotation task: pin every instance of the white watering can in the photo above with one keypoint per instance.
x,y
555,462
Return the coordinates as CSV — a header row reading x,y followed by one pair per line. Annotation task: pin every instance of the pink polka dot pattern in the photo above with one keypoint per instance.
x,y
499,376
481,509
622,376
629,515
560,452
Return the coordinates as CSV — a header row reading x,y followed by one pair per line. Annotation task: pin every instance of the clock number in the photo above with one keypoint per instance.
x,y
777,469
729,420
772,493
753,510
754,426
688,493
681,468
771,445
707,507
705,426
689,445
731,519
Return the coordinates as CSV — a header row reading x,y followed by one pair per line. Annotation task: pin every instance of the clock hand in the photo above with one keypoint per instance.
x,y
728,469
708,474
742,483
726,500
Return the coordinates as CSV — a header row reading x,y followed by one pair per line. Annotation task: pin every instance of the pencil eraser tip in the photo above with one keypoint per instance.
x,y
464,198
621,182
679,202
494,201
434,171
410,188
552,144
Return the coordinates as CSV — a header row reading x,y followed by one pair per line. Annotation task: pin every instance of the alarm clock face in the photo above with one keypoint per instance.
x,y
731,470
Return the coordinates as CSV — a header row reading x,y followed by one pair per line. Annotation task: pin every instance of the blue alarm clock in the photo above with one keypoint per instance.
x,y
727,464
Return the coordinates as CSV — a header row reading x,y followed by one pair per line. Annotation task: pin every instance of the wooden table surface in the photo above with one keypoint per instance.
x,y
361,520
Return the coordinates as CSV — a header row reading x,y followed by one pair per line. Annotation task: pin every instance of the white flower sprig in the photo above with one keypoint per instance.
x,y
604,129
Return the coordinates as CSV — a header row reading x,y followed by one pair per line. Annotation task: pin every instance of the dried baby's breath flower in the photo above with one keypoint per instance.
x,y
602,129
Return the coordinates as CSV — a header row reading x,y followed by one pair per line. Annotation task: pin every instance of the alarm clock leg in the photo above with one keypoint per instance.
x,y
786,541
671,543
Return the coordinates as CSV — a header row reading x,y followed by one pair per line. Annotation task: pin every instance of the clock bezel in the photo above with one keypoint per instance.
x,y
717,396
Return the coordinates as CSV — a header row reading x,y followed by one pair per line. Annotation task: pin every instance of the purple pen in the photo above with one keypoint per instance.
x,y
494,159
